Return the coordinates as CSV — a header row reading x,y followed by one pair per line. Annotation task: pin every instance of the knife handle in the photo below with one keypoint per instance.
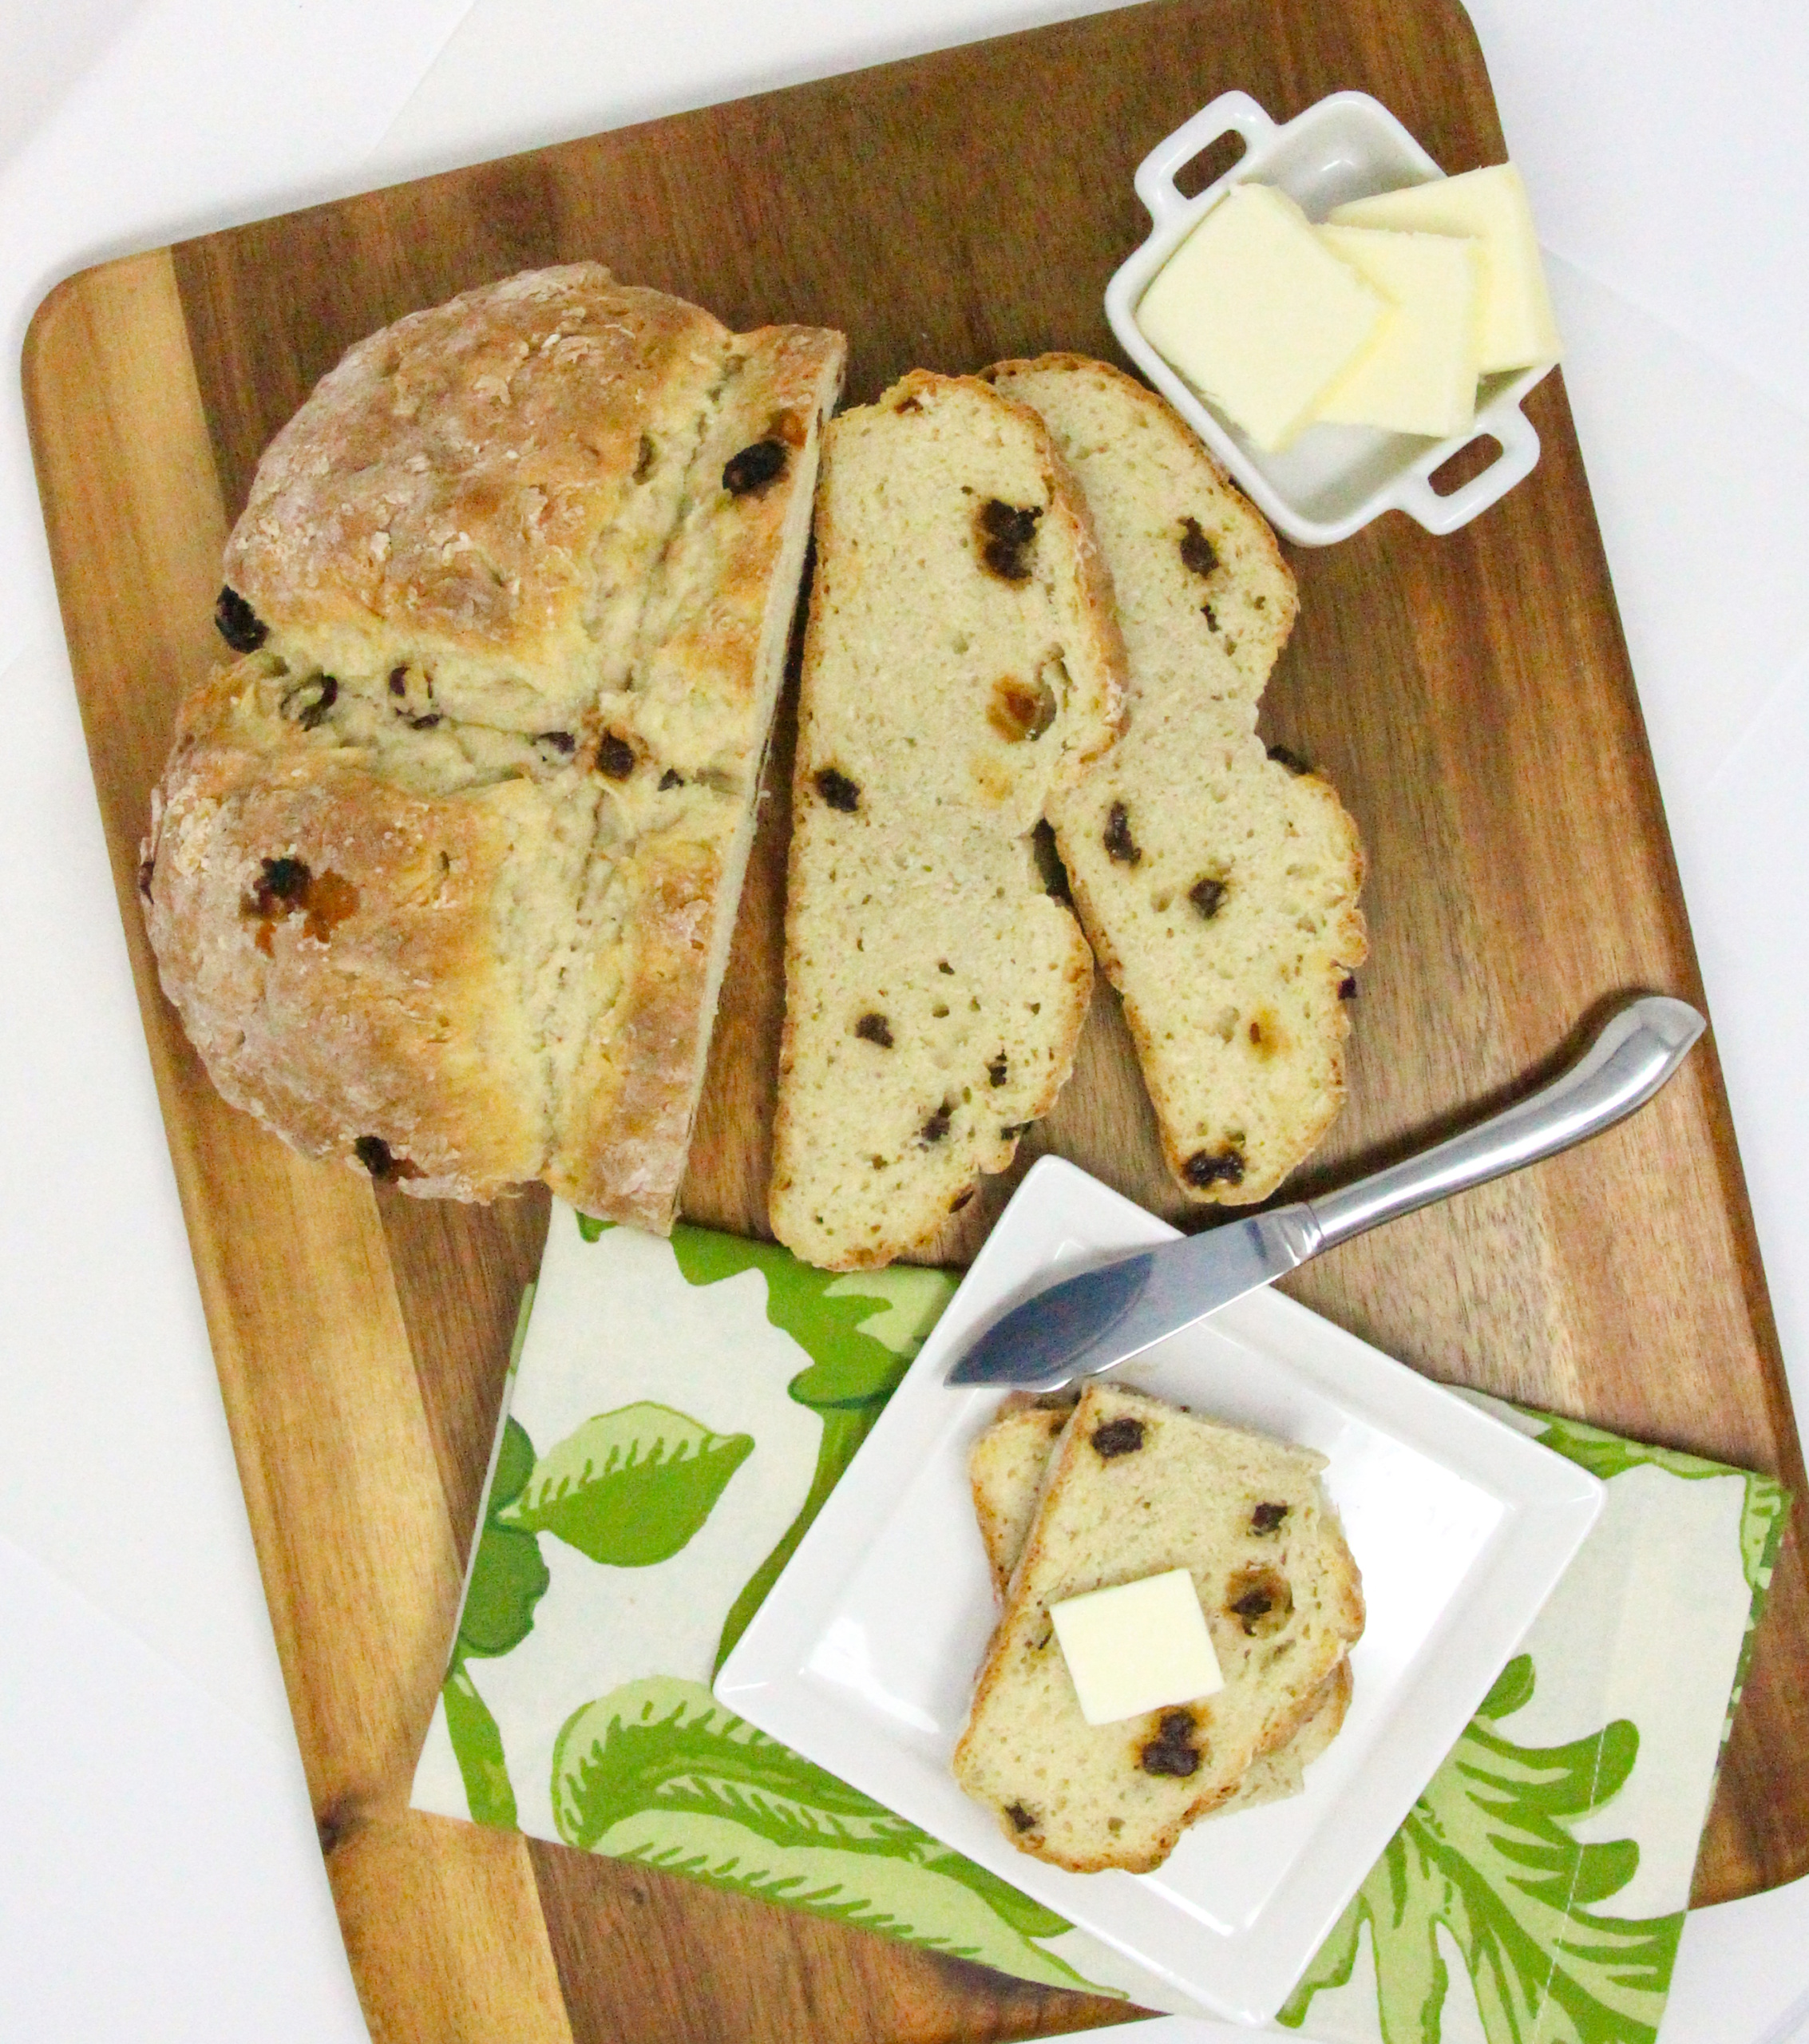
x,y
1637,1050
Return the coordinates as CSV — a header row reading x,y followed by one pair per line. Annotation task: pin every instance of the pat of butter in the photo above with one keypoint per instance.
x,y
1418,374
1257,313
1137,1646
1518,328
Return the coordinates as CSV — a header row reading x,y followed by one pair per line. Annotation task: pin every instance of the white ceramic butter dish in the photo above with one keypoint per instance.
x,y
1332,480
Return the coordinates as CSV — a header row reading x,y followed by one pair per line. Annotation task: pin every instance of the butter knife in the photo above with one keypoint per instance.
x,y
1082,1325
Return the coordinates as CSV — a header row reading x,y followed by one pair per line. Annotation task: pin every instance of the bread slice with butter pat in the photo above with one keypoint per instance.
x,y
1006,1467
1139,1487
1518,327
1258,313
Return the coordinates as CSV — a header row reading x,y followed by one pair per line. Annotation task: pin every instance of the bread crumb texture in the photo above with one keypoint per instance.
x,y
1219,885
511,592
962,665
1133,1487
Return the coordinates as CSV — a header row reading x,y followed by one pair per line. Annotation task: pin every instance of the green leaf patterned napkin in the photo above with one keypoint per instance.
x,y
675,1415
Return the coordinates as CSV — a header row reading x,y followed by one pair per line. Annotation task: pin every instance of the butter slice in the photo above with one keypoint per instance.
x,y
1257,313
1518,326
1137,1646
1418,374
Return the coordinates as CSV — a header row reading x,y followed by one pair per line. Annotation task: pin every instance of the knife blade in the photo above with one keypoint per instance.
x,y
1086,1324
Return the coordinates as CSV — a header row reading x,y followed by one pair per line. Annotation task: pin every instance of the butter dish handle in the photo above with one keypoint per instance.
x,y
1502,420
1230,113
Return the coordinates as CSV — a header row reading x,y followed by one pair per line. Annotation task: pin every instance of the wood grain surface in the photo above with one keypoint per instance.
x,y
1470,697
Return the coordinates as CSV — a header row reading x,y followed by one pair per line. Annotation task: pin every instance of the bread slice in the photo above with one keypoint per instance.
x,y
1218,884
1139,1487
961,666
1006,1468
443,868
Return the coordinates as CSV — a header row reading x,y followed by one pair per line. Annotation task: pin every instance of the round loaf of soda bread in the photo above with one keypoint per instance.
x,y
443,866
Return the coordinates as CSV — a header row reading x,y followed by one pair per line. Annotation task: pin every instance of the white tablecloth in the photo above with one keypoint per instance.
x,y
161,1879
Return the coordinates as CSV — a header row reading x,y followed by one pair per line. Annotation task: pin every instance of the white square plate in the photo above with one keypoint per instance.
x,y
864,1654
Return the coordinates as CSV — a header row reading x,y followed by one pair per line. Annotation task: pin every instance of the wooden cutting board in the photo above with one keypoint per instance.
x,y
1470,697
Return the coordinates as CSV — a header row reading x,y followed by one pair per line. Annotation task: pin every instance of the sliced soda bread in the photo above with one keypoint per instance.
x,y
1219,885
961,664
1201,584
1139,1487
1006,1467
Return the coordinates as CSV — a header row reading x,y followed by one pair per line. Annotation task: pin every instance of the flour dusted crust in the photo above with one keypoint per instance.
x,y
1006,1468
1219,885
442,874
455,473
962,662
1137,1487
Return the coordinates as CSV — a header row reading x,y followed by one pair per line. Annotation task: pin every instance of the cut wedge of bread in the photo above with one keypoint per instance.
x,y
961,666
1139,1487
1006,1468
1219,885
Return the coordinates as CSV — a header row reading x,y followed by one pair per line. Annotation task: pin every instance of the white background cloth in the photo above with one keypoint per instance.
x,y
161,1879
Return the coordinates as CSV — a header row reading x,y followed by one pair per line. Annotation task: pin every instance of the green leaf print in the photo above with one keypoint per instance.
x,y
658,1771
860,1331
1761,1529
665,1743
842,1434
1017,1909
629,1487
476,1745
832,1320
1606,1455
1486,1852
508,1579
1512,1688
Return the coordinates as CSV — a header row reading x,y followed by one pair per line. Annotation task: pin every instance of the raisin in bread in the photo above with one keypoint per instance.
x,y
1139,1487
1006,1468
1219,885
443,868
961,666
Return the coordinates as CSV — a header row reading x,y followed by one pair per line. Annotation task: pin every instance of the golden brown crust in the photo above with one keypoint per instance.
x,y
623,1155
360,1021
